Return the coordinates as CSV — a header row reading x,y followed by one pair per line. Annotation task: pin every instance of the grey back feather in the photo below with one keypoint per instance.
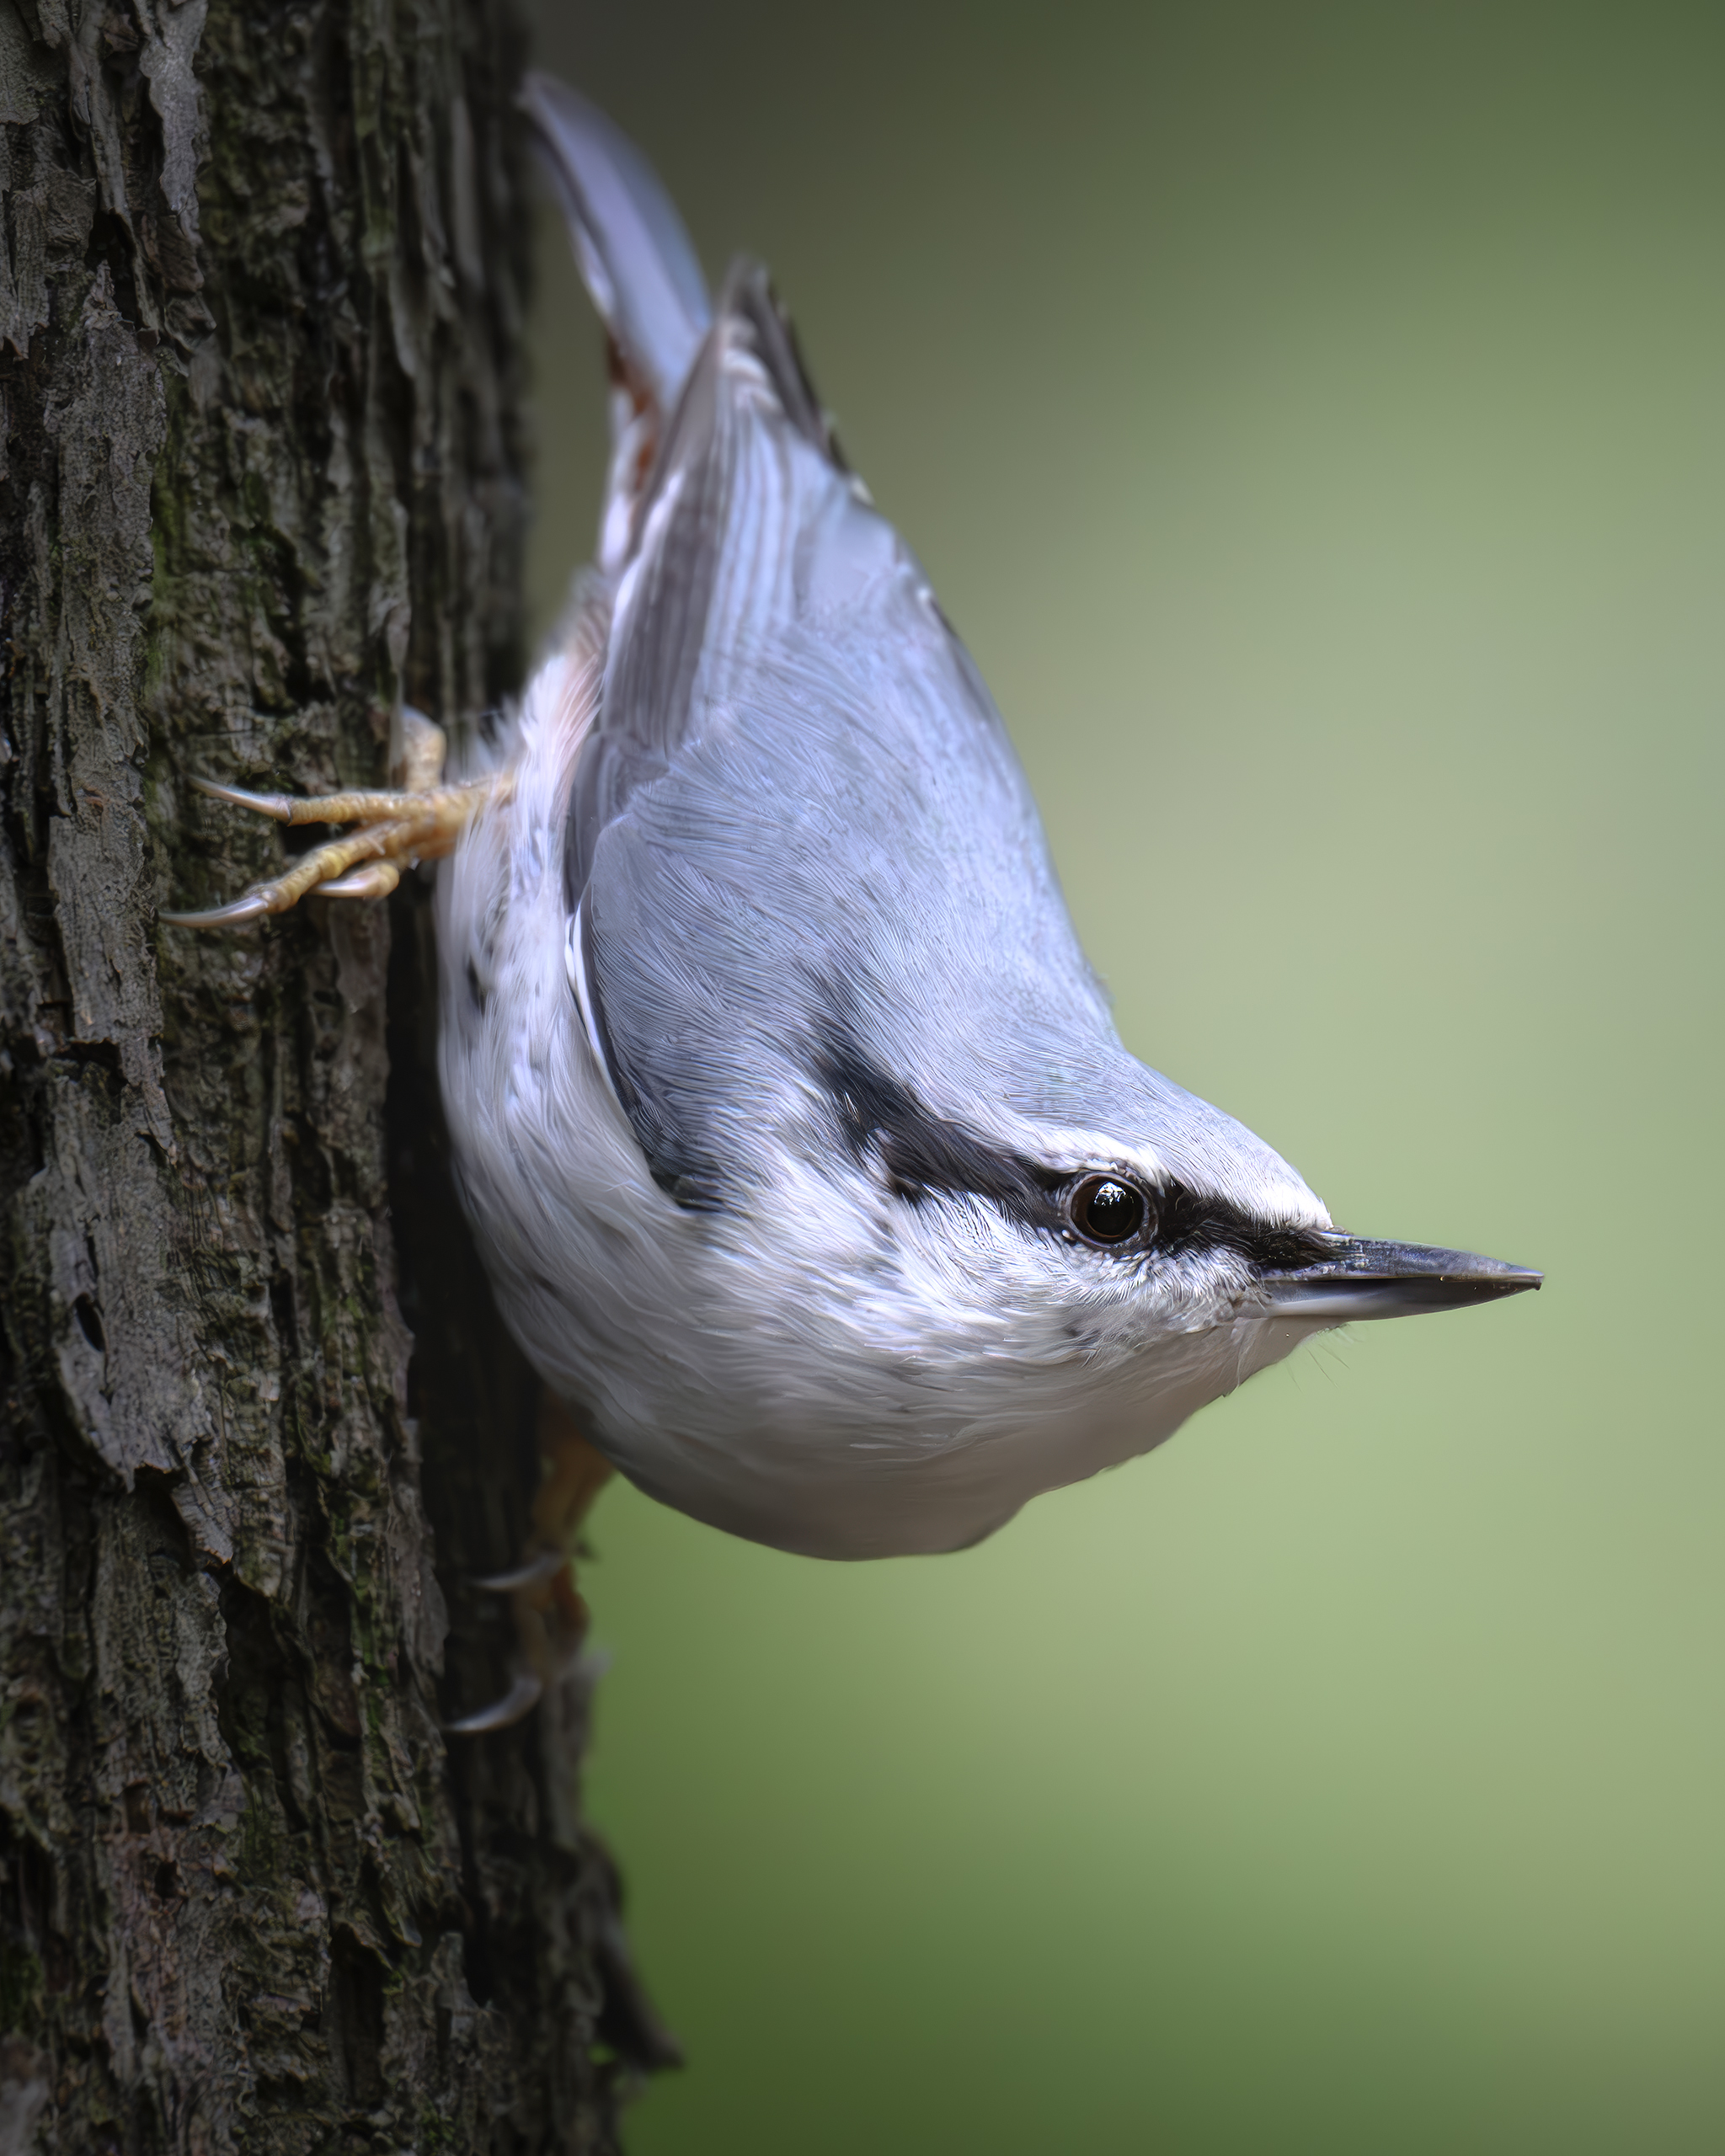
x,y
798,840
798,814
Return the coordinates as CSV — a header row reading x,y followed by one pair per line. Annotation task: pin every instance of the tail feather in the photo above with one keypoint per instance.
x,y
633,255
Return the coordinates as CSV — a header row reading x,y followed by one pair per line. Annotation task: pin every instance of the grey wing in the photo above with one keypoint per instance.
x,y
727,484
797,816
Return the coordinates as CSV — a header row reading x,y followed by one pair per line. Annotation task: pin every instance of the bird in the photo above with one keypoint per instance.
x,y
807,1163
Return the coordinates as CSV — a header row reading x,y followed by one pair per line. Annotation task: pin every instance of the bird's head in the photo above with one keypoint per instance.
x,y
1003,1291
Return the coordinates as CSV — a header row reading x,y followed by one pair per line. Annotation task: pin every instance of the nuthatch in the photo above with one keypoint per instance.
x,y
806,1161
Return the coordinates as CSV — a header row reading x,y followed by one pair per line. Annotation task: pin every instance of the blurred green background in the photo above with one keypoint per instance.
x,y
1311,416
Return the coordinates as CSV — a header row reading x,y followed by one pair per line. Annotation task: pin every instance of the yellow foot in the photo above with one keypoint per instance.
x,y
420,822
551,1618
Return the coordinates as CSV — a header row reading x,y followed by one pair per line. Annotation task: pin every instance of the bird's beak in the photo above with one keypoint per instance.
x,y
1357,1278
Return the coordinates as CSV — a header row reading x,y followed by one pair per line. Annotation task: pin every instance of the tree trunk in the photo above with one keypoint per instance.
x,y
260,291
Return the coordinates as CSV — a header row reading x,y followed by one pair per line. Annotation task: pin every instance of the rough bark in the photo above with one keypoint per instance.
x,y
260,293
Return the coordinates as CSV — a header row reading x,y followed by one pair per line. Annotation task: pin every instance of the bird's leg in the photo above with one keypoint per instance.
x,y
420,821
551,1618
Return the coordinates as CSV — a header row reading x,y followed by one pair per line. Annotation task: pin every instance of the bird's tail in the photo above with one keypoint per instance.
x,y
633,255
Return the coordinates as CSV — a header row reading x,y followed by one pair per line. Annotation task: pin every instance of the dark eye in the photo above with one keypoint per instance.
x,y
1107,1209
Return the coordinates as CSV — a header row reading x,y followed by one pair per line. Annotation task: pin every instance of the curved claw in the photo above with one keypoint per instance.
x,y
534,1573
281,806
376,880
523,1695
250,905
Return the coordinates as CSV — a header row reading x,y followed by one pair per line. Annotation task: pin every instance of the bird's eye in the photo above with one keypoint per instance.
x,y
1108,1210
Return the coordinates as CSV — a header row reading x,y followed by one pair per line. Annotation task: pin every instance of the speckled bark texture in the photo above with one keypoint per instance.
x,y
260,283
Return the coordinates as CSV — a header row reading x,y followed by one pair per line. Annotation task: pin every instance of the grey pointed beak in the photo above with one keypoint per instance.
x,y
1358,1278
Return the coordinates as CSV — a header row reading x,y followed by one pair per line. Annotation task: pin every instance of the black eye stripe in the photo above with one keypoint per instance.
x,y
924,1156
1189,1221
